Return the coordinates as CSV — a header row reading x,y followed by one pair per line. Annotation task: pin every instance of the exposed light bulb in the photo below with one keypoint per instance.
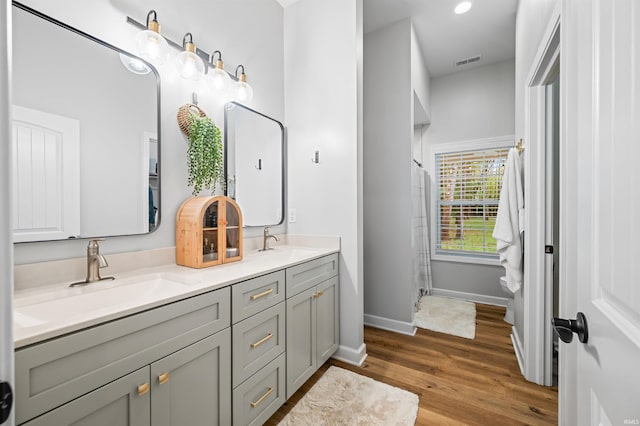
x,y
463,7
242,91
151,45
218,80
189,65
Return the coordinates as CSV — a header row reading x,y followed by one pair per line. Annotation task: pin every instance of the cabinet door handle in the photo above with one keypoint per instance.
x,y
318,294
262,398
163,378
263,294
261,341
143,389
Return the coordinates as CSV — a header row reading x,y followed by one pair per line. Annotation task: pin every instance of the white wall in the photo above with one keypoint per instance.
x,y
248,32
468,105
323,40
531,22
6,249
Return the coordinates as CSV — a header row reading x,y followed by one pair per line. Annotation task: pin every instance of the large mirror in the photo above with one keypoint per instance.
x,y
85,135
254,164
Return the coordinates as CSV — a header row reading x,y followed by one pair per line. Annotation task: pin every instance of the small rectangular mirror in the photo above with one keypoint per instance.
x,y
255,164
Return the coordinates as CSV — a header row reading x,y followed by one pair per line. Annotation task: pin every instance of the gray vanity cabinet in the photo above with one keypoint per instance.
x,y
229,356
258,348
312,320
191,386
120,403
75,375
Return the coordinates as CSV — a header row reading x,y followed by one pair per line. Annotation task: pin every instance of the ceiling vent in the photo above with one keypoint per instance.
x,y
468,61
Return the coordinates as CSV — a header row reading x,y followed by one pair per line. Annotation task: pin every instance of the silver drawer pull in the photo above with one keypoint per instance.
x,y
263,294
262,398
261,341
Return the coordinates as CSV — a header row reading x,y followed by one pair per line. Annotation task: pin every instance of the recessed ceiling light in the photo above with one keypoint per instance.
x,y
463,7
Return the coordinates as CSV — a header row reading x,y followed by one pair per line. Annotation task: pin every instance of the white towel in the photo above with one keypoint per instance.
x,y
510,221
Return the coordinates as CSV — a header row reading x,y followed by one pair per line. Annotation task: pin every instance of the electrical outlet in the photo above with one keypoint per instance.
x,y
292,215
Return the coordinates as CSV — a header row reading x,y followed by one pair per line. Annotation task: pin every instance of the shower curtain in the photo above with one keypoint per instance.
x,y
420,235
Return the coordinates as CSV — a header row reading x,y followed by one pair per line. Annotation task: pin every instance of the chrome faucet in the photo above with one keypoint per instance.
x,y
265,241
95,261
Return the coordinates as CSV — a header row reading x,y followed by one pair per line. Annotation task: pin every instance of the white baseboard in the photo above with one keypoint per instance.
x,y
472,297
518,349
351,356
396,326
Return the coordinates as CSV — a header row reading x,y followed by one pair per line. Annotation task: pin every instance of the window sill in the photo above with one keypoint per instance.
x,y
465,259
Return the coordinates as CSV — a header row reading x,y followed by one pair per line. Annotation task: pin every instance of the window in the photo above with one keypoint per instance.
x,y
468,185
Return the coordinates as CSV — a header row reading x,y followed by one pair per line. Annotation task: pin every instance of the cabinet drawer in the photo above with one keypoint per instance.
x,y
255,295
307,275
54,372
256,341
258,398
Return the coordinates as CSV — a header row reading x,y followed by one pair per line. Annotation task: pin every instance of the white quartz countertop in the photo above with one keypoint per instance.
x,y
43,313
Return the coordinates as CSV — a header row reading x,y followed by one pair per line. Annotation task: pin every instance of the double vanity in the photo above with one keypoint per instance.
x,y
169,345
160,344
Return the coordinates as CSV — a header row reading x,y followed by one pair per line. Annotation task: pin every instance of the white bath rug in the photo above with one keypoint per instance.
x,y
341,397
451,316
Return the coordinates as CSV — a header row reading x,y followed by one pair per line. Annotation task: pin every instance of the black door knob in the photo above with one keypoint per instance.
x,y
565,328
6,401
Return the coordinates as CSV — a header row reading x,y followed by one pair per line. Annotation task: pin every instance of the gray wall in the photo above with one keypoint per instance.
x,y
388,131
469,105
248,32
388,151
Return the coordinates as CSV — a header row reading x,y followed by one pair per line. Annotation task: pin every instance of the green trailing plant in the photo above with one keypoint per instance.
x,y
206,158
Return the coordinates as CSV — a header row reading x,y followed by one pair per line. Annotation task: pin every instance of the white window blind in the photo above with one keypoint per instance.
x,y
469,184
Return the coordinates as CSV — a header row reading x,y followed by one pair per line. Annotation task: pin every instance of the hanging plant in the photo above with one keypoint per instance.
x,y
205,154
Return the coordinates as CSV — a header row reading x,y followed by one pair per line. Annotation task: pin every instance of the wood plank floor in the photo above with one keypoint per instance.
x,y
459,381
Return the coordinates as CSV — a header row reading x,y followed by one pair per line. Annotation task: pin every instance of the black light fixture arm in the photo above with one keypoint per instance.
x,y
155,16
237,68
184,39
213,57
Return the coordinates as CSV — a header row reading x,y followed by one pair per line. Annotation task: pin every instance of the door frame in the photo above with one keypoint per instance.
x,y
6,228
537,329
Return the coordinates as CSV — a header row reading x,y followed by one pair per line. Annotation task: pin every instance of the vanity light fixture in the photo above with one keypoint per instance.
x,y
218,78
463,7
189,65
151,45
191,62
242,91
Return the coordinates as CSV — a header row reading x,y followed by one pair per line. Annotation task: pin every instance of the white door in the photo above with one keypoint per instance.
x,y
601,56
46,176
6,247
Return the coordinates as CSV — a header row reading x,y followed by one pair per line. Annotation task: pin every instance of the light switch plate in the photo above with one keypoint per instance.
x,y
292,215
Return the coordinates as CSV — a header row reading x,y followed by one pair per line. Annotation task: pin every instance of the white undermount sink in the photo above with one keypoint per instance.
x,y
95,298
